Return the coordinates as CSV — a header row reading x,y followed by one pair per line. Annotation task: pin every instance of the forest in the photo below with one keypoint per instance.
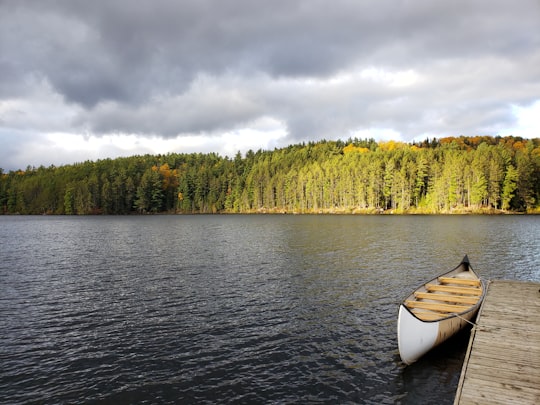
x,y
481,174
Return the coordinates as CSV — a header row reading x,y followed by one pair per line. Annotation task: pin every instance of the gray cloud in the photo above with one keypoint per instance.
x,y
324,69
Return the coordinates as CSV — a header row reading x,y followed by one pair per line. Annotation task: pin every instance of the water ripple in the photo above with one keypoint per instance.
x,y
231,309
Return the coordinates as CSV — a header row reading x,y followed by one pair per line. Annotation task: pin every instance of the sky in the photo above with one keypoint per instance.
x,y
86,80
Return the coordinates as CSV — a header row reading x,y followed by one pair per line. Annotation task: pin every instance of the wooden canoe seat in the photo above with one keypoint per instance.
x,y
447,297
460,281
436,306
429,315
454,289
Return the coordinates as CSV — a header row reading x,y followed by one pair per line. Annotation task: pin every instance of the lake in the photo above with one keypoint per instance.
x,y
234,309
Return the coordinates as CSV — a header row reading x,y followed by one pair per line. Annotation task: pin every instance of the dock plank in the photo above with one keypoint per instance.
x,y
502,364
487,364
493,392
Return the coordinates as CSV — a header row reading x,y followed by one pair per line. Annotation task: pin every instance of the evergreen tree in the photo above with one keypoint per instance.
x,y
509,186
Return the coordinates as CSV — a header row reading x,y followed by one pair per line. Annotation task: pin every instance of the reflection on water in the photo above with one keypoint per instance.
x,y
234,308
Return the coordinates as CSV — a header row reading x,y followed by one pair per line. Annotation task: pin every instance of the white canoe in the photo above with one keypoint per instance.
x,y
437,310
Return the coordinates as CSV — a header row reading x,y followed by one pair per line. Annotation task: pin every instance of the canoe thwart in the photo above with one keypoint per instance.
x,y
436,306
460,281
447,297
454,289
429,315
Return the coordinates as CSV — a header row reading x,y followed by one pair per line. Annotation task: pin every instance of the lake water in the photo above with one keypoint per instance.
x,y
234,309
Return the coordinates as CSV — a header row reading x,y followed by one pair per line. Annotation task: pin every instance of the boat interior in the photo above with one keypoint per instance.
x,y
445,296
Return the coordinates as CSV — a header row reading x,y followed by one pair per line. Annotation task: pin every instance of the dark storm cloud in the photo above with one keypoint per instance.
x,y
169,68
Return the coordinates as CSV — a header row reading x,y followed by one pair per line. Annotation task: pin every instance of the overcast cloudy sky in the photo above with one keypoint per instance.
x,y
94,79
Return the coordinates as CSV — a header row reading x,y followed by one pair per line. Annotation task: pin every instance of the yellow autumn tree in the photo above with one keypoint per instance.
x,y
350,148
391,145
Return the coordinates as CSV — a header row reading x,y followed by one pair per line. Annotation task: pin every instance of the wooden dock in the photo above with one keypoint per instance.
x,y
502,364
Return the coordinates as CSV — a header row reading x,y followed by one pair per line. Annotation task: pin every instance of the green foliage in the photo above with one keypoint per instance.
x,y
447,175
149,197
509,187
68,201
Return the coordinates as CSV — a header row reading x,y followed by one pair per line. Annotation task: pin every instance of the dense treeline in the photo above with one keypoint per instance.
x,y
435,176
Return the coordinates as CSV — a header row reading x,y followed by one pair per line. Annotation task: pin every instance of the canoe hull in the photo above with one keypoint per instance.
x,y
419,332
417,337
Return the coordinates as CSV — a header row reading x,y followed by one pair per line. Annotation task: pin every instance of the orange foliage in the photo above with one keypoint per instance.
x,y
170,177
518,145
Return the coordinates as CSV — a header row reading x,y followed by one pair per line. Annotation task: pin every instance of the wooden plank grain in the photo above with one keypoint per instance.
x,y
515,356
436,306
460,281
452,289
447,297
491,366
493,392
523,346
503,375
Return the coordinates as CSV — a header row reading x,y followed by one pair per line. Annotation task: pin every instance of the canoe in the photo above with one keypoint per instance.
x,y
437,310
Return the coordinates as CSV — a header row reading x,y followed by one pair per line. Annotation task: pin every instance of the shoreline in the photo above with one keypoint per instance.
x,y
357,212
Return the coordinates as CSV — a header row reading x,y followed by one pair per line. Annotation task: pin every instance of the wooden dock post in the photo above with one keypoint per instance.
x,y
502,364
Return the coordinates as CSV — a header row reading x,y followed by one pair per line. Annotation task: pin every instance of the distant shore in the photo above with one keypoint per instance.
x,y
366,212
337,211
